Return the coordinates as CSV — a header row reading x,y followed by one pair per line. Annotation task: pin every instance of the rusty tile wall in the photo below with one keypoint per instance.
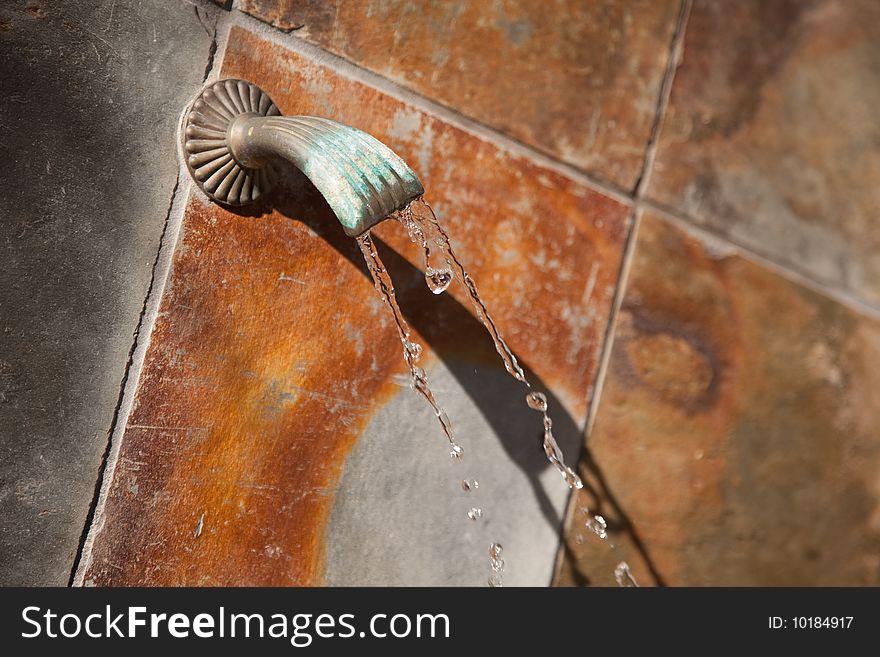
x,y
272,353
772,136
736,437
579,80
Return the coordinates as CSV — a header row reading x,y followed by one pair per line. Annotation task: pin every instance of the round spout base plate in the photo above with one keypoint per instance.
x,y
204,143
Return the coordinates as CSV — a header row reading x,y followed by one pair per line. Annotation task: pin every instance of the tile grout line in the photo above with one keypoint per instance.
x,y
129,376
675,53
160,273
722,242
511,145
595,391
725,244
486,133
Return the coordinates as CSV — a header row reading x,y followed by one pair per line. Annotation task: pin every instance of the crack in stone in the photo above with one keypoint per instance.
x,y
102,469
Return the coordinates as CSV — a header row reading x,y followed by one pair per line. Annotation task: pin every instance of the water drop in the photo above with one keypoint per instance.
x,y
420,213
419,378
496,563
475,513
456,452
413,349
598,526
438,279
537,401
468,486
624,576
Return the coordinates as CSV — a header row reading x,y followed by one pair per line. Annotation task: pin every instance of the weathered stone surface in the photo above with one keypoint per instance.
x,y
737,428
772,135
90,102
273,397
579,80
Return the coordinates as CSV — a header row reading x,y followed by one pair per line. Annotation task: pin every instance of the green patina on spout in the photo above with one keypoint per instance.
x,y
233,135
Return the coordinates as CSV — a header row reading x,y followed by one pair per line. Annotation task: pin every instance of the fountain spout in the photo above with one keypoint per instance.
x,y
233,139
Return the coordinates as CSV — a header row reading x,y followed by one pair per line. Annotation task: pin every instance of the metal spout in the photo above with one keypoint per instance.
x,y
234,137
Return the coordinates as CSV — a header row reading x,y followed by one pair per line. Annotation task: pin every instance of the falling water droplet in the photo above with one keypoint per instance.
x,y
497,565
572,479
475,513
419,378
467,486
624,576
413,349
537,401
423,228
438,279
598,526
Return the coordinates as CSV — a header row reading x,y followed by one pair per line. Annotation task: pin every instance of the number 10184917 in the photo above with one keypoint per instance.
x,y
810,622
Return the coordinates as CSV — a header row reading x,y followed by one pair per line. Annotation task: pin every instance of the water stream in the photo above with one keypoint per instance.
x,y
623,575
411,350
425,230
441,266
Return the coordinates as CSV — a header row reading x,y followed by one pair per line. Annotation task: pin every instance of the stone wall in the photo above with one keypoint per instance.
x,y
667,205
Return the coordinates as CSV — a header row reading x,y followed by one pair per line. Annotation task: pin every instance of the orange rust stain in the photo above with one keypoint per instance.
x,y
576,79
245,409
272,352
530,237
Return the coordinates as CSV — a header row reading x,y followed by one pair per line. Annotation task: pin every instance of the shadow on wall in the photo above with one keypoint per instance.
x,y
450,329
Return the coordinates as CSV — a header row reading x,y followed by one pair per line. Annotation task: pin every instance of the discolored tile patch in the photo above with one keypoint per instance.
x,y
272,353
579,80
772,137
737,429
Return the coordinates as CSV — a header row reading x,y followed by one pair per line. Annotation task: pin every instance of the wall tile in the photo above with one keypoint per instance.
x,y
579,81
274,373
737,429
772,136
